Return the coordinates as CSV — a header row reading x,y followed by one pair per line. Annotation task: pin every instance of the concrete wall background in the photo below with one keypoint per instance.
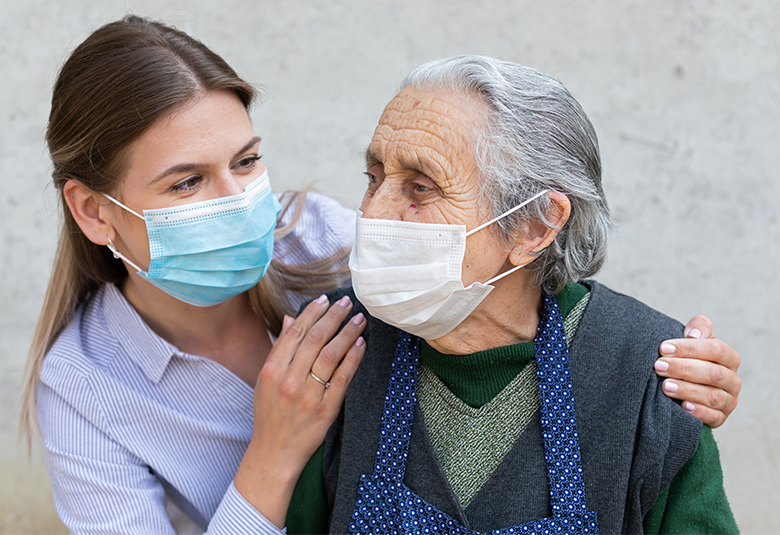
x,y
685,97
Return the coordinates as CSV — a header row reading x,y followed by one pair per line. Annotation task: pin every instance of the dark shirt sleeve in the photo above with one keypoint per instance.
x,y
308,512
695,501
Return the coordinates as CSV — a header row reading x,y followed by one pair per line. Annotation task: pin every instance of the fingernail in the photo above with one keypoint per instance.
x,y
321,300
359,342
693,333
358,319
667,349
344,301
671,386
286,321
688,406
661,365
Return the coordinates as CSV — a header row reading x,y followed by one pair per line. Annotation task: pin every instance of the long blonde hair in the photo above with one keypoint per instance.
x,y
114,86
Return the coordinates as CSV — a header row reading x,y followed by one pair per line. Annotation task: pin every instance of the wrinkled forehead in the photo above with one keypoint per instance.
x,y
428,118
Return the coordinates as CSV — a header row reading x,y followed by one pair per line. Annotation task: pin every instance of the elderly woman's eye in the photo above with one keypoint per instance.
x,y
372,179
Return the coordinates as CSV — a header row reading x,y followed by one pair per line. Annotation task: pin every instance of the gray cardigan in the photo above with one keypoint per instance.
x,y
633,438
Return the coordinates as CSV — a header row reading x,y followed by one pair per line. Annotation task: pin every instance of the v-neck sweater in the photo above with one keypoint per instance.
x,y
475,417
692,498
478,377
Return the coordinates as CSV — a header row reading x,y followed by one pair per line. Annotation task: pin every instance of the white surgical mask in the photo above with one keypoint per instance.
x,y
409,274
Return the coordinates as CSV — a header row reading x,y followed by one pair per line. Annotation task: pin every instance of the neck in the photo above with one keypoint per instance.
x,y
508,315
229,333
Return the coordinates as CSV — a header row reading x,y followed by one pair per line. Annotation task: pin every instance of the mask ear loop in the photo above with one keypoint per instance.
x,y
111,245
505,273
117,254
516,208
136,214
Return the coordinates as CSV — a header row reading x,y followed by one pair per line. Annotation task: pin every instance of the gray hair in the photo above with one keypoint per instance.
x,y
536,137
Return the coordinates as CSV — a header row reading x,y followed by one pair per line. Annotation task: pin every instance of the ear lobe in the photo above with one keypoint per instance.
x,y
539,236
88,212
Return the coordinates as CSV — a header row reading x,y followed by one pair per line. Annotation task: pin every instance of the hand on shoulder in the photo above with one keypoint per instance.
x,y
702,372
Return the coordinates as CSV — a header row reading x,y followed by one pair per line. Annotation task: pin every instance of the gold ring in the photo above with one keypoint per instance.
x,y
326,384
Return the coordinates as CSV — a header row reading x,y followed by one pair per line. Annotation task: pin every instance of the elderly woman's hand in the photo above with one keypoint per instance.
x,y
702,372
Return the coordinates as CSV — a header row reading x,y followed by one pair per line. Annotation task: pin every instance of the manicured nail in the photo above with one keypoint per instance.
x,y
688,406
344,301
321,300
671,386
661,365
359,342
693,333
358,319
667,349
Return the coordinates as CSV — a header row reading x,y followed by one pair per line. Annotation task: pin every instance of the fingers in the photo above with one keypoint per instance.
x,y
712,350
699,327
344,374
293,333
310,343
349,366
709,417
348,339
710,405
700,395
694,365
702,373
286,322
321,343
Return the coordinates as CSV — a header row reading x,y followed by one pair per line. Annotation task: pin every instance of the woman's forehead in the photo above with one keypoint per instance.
x,y
422,123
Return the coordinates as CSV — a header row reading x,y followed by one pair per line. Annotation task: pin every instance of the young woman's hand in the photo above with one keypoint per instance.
x,y
298,395
702,372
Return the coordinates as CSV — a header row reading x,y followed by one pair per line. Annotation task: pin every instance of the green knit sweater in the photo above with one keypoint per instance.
x,y
477,380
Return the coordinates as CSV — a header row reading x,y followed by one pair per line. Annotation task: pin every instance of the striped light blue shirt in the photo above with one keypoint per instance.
x,y
140,437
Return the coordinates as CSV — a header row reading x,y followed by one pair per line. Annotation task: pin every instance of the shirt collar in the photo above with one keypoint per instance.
x,y
145,347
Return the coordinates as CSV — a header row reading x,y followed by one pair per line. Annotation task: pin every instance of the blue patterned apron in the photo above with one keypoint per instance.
x,y
386,506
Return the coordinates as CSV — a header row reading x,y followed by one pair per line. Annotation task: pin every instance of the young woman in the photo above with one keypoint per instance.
x,y
169,385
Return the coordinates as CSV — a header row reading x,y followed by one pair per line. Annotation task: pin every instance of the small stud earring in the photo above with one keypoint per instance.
x,y
112,248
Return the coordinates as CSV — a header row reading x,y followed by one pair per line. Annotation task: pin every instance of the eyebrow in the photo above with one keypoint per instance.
x,y
414,164
371,158
185,167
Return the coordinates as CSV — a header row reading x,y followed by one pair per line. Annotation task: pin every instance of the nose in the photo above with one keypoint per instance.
x,y
228,183
384,204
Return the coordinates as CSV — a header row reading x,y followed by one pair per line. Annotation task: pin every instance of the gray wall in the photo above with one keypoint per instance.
x,y
685,97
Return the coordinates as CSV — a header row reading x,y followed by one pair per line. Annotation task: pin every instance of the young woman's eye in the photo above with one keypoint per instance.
x,y
188,184
248,162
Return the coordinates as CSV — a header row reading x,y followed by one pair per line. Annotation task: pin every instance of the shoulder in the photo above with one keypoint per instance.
x,y
74,347
79,353
626,420
614,319
322,229
607,302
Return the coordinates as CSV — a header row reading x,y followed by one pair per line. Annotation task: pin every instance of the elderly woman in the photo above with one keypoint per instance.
x,y
480,405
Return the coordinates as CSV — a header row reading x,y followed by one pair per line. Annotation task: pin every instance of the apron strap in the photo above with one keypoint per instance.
x,y
558,419
398,413
559,423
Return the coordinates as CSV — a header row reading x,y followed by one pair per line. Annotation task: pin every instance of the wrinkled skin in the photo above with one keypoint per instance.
x,y
421,168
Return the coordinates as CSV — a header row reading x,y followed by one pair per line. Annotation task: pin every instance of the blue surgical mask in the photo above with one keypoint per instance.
x,y
204,253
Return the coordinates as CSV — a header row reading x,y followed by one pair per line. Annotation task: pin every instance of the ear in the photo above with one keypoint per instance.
x,y
90,212
538,235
